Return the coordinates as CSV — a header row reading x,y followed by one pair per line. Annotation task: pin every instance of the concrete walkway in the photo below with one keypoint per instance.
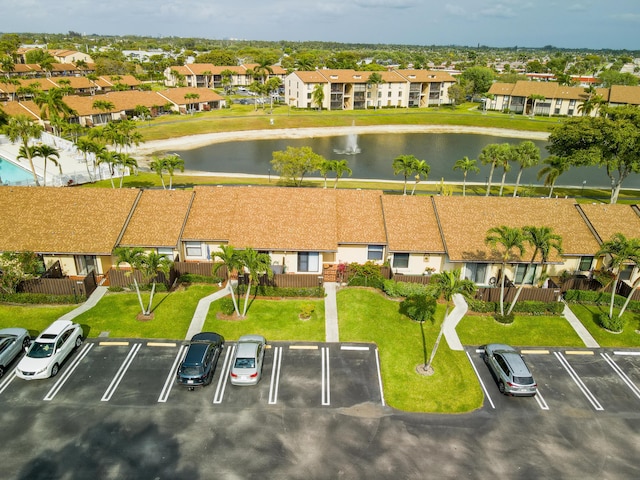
x,y
200,315
449,324
331,312
580,329
91,302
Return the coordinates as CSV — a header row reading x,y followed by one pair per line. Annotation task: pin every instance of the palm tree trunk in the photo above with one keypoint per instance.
x,y
515,190
153,290
464,185
613,294
626,302
504,266
504,176
44,178
551,189
246,299
33,171
493,165
135,282
233,296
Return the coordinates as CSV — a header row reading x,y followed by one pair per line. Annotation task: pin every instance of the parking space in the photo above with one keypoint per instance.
x,y
142,373
570,380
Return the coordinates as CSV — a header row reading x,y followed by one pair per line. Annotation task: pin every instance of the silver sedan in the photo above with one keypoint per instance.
x,y
246,368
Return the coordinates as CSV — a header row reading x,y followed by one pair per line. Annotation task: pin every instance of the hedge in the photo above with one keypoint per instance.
x,y
193,278
525,307
266,291
599,298
394,288
42,298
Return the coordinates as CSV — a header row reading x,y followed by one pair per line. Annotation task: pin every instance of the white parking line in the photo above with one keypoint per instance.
x,y
8,378
623,376
484,389
540,399
224,375
353,347
275,375
326,384
380,377
111,389
578,381
627,353
65,376
171,377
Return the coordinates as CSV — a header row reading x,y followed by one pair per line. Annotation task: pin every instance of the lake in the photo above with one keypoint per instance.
x,y
376,154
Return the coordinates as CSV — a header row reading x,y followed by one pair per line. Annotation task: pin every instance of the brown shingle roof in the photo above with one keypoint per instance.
x,y
158,219
466,220
625,94
608,220
359,217
411,224
176,95
63,220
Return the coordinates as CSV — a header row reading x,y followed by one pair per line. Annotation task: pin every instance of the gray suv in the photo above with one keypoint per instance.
x,y
511,371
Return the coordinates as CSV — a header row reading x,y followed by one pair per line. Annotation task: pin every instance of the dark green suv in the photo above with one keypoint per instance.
x,y
199,364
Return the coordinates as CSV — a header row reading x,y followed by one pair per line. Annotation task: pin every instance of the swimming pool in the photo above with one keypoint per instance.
x,y
12,174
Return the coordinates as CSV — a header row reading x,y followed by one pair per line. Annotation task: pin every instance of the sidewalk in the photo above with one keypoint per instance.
x,y
91,302
449,325
200,315
580,329
331,312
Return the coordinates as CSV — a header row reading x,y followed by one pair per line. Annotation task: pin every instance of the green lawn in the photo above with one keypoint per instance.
x,y
34,318
627,338
274,319
530,331
366,316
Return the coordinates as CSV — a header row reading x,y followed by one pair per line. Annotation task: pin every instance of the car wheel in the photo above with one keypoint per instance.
x,y
26,342
1,371
78,341
485,357
501,387
54,369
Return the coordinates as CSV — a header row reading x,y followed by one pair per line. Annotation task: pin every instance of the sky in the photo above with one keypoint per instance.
x,y
594,24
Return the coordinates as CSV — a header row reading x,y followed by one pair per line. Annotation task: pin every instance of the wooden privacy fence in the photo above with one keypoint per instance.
x,y
284,280
124,277
81,287
423,279
492,294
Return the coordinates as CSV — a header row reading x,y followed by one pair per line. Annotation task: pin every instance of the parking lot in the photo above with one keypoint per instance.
x,y
570,379
142,373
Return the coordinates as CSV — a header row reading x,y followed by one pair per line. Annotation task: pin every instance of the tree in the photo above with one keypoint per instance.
x,y
230,259
172,163
158,165
619,249
150,264
404,164
493,154
48,154
554,167
527,155
22,128
87,146
125,162
466,165
457,93
341,167
132,257
295,162
478,80
543,241
191,105
611,140
52,106
109,158
534,97
421,169
256,264
375,80
506,241
104,106
17,267
317,95
325,167
447,284
227,80
505,163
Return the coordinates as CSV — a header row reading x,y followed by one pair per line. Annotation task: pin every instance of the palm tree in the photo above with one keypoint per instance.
x,y
132,257
87,146
466,165
341,167
109,158
22,128
47,153
126,162
172,163
317,95
527,155
191,96
158,165
325,167
52,106
227,80
149,265
104,106
554,167
420,168
492,155
543,240
255,263
404,164
506,240
375,79
619,249
446,285
505,163
230,258
534,97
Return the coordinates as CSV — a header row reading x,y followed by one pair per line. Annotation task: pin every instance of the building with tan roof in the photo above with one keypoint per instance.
x,y
207,75
352,90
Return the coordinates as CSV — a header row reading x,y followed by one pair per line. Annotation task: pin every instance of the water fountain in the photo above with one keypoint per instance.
x,y
351,147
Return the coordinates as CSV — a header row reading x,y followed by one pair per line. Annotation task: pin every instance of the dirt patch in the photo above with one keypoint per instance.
x,y
144,318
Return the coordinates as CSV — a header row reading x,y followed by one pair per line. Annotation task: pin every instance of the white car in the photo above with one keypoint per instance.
x,y
246,367
49,350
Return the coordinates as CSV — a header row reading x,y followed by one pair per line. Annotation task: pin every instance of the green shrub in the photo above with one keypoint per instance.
x,y
115,288
615,324
505,319
419,307
599,298
368,274
160,287
480,306
266,291
41,298
526,307
373,282
306,310
193,278
403,289
226,305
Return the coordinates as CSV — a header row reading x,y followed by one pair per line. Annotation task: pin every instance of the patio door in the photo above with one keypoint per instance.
x,y
86,263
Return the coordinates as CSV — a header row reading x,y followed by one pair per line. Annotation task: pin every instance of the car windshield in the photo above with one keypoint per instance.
x,y
191,370
245,363
523,380
40,350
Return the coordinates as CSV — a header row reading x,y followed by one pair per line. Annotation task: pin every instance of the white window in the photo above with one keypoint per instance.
x,y
400,260
308,262
166,252
193,249
375,252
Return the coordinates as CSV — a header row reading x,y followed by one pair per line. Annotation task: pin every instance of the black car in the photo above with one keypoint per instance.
x,y
199,363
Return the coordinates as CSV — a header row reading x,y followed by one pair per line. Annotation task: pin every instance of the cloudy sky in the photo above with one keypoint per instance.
x,y
499,23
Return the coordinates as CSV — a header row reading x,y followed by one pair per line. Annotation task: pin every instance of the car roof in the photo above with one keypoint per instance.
x,y
252,338
516,363
195,353
55,329
247,349
207,337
